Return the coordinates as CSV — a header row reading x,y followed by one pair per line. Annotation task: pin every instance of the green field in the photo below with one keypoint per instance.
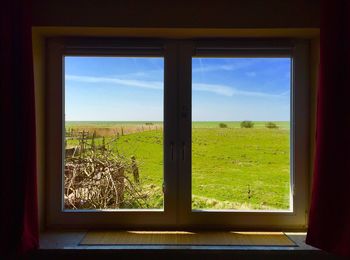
x,y
233,167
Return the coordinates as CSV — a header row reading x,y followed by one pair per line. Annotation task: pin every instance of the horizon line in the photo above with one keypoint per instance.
x,y
163,120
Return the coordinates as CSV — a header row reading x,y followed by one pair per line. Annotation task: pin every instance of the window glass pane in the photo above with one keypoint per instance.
x,y
241,133
113,133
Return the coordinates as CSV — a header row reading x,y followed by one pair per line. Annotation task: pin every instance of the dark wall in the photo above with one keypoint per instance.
x,y
178,13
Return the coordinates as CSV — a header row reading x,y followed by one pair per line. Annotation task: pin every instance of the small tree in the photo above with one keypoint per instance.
x,y
271,125
247,124
223,125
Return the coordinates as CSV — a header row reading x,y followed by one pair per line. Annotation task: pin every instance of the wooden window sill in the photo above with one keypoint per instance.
x,y
66,243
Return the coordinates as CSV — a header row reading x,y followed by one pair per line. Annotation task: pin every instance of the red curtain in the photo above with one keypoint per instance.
x,y
19,212
329,220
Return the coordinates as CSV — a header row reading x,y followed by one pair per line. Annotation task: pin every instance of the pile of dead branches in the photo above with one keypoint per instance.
x,y
100,179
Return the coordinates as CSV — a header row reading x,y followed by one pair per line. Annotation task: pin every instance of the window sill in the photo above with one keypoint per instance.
x,y
53,243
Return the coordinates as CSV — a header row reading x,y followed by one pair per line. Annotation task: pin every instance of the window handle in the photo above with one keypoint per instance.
x,y
183,150
172,150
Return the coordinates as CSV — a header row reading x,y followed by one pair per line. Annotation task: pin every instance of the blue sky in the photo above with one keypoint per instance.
x,y
131,89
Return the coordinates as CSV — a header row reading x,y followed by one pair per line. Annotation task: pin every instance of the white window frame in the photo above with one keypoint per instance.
x,y
57,216
294,219
177,212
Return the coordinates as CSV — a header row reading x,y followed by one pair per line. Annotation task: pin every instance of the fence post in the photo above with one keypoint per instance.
x,y
93,141
135,169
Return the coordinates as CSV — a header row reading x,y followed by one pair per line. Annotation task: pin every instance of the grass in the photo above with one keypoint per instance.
x,y
232,168
245,166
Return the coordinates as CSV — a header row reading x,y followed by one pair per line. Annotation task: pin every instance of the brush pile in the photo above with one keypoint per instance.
x,y
100,179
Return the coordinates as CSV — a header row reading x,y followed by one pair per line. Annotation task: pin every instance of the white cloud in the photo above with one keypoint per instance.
x,y
251,74
218,89
125,82
141,74
258,94
226,67
230,91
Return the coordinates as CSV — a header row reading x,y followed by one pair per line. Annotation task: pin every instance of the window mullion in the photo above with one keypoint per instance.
x,y
185,151
171,126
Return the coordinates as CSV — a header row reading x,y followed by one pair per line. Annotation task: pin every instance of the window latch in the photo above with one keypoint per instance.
x,y
183,150
172,150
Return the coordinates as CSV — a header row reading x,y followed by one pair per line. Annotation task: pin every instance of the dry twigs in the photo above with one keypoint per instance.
x,y
99,179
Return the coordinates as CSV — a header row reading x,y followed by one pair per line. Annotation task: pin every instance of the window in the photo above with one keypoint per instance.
x,y
177,134
241,133
113,131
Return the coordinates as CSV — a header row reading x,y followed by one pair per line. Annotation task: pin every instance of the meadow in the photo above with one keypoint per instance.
x,y
232,167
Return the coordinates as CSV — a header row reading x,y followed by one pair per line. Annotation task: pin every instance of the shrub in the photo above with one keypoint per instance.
x,y
271,125
148,123
223,125
247,124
